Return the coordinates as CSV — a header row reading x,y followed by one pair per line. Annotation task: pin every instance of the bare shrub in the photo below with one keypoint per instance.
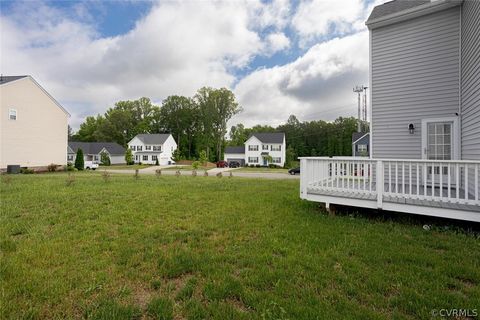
x,y
205,173
105,175
7,179
194,173
230,175
158,173
177,173
136,176
70,180
219,175
52,167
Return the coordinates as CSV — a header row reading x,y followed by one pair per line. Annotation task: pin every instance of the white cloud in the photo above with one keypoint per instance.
x,y
277,42
179,47
317,85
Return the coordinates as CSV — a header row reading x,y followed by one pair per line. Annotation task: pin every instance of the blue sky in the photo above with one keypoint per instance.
x,y
279,57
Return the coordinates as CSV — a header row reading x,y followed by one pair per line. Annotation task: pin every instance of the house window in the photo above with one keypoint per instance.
x,y
12,114
362,148
132,147
139,148
253,148
265,147
253,159
95,158
154,158
148,147
145,158
157,148
70,157
136,157
276,147
276,160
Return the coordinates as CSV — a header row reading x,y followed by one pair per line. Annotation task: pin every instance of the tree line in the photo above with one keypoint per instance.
x,y
199,124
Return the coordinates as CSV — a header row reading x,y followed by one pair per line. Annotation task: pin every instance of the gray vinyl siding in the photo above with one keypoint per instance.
x,y
471,80
415,75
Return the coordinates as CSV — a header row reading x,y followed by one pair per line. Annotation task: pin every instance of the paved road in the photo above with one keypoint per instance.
x,y
211,172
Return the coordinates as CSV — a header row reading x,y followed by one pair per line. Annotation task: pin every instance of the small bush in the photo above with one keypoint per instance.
x,y
205,173
271,165
158,173
70,167
52,167
195,164
257,166
26,171
104,159
79,161
156,162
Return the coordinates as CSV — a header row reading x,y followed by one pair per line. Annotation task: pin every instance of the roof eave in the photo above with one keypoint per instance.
x,y
411,13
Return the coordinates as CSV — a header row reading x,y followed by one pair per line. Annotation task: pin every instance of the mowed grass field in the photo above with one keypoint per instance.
x,y
208,248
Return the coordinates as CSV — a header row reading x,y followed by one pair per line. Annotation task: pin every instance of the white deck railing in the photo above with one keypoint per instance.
x,y
383,179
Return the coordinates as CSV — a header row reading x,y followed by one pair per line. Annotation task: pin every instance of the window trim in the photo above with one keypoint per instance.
x,y
10,113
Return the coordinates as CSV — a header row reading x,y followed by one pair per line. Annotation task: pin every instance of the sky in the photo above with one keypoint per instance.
x,y
279,57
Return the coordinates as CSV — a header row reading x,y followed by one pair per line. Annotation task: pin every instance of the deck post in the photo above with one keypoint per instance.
x,y
303,178
379,184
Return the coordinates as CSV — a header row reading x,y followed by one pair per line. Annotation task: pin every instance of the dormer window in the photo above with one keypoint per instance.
x,y
12,114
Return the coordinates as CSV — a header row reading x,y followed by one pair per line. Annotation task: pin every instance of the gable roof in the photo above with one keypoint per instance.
x,y
269,137
358,135
156,138
96,147
393,7
235,149
7,79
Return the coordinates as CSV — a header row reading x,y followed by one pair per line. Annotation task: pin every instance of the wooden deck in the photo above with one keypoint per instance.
x,y
439,188
437,201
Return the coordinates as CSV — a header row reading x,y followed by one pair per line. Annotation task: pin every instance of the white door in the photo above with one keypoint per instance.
x,y
438,143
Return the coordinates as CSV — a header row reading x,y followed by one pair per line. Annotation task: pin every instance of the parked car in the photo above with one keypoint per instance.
x,y
234,164
222,164
90,165
294,171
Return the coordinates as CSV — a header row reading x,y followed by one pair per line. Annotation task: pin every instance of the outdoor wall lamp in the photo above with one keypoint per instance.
x,y
411,128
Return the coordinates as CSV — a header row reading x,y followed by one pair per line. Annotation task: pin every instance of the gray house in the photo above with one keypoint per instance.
x,y
425,116
360,144
92,151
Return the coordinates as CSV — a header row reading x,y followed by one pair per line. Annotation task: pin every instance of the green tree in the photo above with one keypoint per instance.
x,y
79,161
203,159
216,107
104,158
129,156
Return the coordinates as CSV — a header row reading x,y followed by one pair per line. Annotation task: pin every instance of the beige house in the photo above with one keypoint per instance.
x,y
33,125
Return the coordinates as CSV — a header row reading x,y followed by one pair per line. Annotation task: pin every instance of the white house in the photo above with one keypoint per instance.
x,y
148,148
260,149
425,117
33,125
92,151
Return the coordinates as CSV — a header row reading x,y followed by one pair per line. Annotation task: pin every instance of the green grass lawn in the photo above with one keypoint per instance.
x,y
125,167
207,248
262,169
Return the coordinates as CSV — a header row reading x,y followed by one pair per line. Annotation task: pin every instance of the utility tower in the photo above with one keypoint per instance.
x,y
359,90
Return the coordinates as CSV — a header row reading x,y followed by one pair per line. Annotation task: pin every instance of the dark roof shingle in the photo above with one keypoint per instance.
x,y
357,135
235,149
394,6
7,79
156,138
269,137
96,147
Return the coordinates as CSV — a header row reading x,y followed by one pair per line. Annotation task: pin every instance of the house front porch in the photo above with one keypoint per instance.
x,y
439,188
